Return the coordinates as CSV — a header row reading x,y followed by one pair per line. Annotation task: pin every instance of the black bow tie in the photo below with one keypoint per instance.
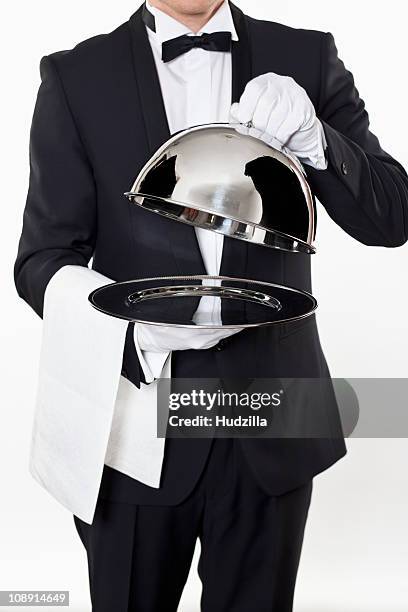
x,y
218,41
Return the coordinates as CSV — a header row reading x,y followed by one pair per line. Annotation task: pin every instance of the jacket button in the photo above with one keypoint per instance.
x,y
221,345
344,168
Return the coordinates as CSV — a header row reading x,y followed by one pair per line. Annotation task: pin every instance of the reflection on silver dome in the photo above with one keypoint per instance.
x,y
219,177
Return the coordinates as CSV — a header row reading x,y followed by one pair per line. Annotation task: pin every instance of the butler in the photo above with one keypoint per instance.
x,y
103,109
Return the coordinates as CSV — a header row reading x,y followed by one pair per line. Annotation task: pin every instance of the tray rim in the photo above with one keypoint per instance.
x,y
205,277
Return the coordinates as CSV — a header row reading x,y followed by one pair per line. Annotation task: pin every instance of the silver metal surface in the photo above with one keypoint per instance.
x,y
221,178
259,303
202,291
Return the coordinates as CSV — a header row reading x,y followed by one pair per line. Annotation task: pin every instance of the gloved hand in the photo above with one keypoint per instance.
x,y
283,115
158,339
155,343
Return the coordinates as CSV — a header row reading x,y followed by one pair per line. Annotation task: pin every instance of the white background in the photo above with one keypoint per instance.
x,y
355,555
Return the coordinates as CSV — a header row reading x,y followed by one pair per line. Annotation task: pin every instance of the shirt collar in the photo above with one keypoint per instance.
x,y
167,27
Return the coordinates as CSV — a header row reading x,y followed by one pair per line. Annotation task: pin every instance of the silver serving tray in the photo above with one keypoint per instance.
x,y
228,302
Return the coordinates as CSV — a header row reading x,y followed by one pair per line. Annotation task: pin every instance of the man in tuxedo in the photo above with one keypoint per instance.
x,y
103,109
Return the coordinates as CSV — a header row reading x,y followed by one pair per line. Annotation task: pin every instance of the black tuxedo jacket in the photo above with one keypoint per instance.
x,y
98,118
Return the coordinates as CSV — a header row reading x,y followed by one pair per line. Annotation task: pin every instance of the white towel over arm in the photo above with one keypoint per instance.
x,y
85,411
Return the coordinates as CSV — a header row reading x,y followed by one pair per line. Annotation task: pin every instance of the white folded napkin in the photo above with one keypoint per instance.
x,y
86,413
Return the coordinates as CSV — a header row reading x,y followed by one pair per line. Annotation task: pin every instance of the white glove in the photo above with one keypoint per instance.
x,y
283,115
155,343
158,339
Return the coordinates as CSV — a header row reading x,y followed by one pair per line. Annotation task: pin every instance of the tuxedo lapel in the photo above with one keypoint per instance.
x,y
150,96
241,54
235,252
182,238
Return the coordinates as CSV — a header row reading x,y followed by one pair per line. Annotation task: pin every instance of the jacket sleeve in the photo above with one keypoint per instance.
x,y
364,190
59,222
60,216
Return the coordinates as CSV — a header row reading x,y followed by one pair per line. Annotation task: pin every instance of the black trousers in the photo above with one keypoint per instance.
x,y
139,556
